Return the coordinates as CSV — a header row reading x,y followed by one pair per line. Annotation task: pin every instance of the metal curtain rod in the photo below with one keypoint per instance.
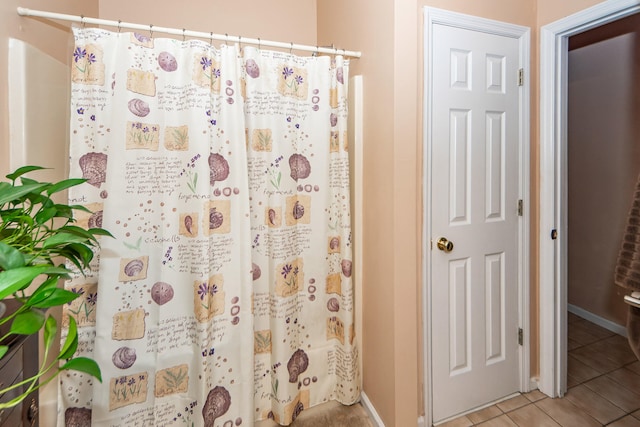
x,y
183,32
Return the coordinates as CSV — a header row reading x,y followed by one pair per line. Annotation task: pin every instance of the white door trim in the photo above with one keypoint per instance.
x,y
554,39
438,16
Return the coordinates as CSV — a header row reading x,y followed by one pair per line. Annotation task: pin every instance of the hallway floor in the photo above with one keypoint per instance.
x,y
603,381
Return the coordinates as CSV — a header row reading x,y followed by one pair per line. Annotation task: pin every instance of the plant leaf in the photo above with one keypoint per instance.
x,y
78,231
55,297
21,171
71,342
3,350
83,251
100,232
50,327
45,215
63,185
84,364
14,193
63,211
10,257
19,278
62,238
27,323
43,292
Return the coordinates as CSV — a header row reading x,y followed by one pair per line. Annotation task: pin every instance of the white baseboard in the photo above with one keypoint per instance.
x,y
368,406
421,421
600,321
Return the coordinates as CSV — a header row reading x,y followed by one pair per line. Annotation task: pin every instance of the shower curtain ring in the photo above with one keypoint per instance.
x,y
184,38
82,21
119,23
226,38
211,37
151,30
259,44
291,49
240,42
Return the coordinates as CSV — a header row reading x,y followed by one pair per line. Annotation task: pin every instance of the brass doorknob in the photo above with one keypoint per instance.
x,y
445,245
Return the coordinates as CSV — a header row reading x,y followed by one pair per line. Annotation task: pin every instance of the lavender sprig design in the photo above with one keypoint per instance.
x,y
207,64
83,60
191,174
291,80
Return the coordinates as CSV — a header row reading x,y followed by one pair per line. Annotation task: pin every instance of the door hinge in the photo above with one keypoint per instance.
x,y
520,207
554,234
520,336
521,77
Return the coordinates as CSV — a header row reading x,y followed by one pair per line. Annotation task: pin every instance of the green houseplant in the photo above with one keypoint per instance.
x,y
37,236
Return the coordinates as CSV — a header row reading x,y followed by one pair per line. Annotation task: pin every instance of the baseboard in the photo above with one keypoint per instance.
x,y
368,406
421,421
600,321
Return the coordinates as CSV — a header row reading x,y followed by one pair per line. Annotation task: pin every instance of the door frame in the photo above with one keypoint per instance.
x,y
433,16
553,272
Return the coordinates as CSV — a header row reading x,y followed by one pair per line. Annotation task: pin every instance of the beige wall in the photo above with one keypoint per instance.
x,y
50,37
279,20
553,10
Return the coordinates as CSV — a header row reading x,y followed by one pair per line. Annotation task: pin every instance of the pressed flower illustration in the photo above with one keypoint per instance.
x,y
291,80
207,65
142,135
204,290
208,298
87,66
83,309
190,173
289,277
128,389
275,175
83,60
185,415
207,72
262,140
176,138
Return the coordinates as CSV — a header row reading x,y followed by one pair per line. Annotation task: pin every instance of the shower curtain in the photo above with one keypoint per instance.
x,y
225,296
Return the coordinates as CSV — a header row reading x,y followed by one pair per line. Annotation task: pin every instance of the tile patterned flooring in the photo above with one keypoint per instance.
x,y
604,388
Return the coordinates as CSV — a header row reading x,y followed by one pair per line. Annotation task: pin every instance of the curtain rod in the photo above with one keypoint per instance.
x,y
186,33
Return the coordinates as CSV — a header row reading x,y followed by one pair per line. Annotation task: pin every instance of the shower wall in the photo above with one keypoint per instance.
x,y
604,160
53,39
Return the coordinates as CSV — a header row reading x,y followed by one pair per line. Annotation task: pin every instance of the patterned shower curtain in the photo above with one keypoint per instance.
x,y
225,296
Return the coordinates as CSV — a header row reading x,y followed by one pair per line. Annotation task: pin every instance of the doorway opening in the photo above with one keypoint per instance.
x,y
555,179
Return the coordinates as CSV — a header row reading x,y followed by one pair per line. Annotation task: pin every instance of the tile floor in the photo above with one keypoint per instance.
x,y
603,381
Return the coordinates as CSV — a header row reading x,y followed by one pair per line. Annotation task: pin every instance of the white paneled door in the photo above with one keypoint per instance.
x,y
474,219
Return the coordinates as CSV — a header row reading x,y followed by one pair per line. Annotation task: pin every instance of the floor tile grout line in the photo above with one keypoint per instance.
x,y
578,409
